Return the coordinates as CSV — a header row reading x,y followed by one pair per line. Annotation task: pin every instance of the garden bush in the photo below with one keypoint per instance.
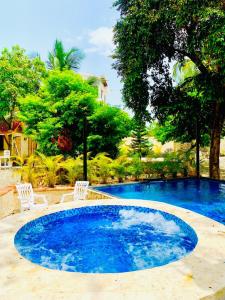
x,y
49,171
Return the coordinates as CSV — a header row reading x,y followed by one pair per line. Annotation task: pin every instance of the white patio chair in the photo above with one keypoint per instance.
x,y
27,197
6,153
80,191
6,158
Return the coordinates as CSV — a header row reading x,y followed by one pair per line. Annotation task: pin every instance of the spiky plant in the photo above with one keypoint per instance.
x,y
136,167
73,168
121,167
48,168
27,168
102,167
60,59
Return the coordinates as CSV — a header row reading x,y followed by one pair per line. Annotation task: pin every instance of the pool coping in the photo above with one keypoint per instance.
x,y
158,180
199,275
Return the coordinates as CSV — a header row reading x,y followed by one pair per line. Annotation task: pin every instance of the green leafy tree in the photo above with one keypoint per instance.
x,y
54,117
19,76
60,59
140,143
150,35
108,126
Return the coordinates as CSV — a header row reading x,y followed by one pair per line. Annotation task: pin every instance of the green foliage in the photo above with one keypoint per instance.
x,y
93,80
19,75
59,59
101,166
184,70
48,167
73,168
136,167
124,148
58,110
140,143
121,167
109,125
156,169
149,36
162,133
42,170
150,33
169,130
28,167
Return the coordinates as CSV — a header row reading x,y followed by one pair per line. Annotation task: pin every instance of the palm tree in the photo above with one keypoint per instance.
x,y
74,169
64,60
48,167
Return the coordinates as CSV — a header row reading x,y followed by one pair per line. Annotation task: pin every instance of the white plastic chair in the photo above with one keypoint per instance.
x,y
6,158
6,153
27,197
80,191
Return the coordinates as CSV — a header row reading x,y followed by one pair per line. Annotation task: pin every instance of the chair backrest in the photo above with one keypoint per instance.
x,y
80,190
6,153
25,193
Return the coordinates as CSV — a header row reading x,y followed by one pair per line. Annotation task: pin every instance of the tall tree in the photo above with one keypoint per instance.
x,y
175,120
153,33
60,59
108,126
19,76
140,143
54,117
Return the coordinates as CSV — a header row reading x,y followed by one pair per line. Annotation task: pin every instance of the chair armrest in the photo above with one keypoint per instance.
x,y
43,198
65,195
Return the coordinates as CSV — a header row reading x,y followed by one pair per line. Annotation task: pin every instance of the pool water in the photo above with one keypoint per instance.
x,y
206,197
105,239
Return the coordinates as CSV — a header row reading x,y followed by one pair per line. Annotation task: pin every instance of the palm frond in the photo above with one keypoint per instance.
x,y
64,60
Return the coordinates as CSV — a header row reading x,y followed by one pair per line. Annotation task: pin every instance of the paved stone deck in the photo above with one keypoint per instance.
x,y
200,275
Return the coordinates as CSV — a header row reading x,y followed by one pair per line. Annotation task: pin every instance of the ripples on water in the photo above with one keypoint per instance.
x,y
206,197
105,239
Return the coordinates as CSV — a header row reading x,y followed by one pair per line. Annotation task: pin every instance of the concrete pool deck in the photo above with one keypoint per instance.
x,y
199,275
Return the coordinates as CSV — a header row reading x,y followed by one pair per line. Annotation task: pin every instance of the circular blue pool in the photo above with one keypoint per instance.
x,y
105,239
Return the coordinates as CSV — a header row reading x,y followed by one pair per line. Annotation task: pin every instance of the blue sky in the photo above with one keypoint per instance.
x,y
86,24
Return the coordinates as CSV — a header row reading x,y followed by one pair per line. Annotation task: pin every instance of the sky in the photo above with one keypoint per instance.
x,y
85,24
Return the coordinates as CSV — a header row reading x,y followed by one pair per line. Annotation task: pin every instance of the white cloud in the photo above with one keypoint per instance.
x,y
101,41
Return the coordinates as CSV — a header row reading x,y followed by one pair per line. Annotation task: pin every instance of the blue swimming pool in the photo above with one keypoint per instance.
x,y
203,196
105,239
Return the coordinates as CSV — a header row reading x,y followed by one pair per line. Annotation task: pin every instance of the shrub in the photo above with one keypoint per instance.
x,y
121,166
48,167
73,169
101,167
136,167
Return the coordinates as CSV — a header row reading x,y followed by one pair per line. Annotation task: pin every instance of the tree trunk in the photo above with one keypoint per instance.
x,y
214,158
